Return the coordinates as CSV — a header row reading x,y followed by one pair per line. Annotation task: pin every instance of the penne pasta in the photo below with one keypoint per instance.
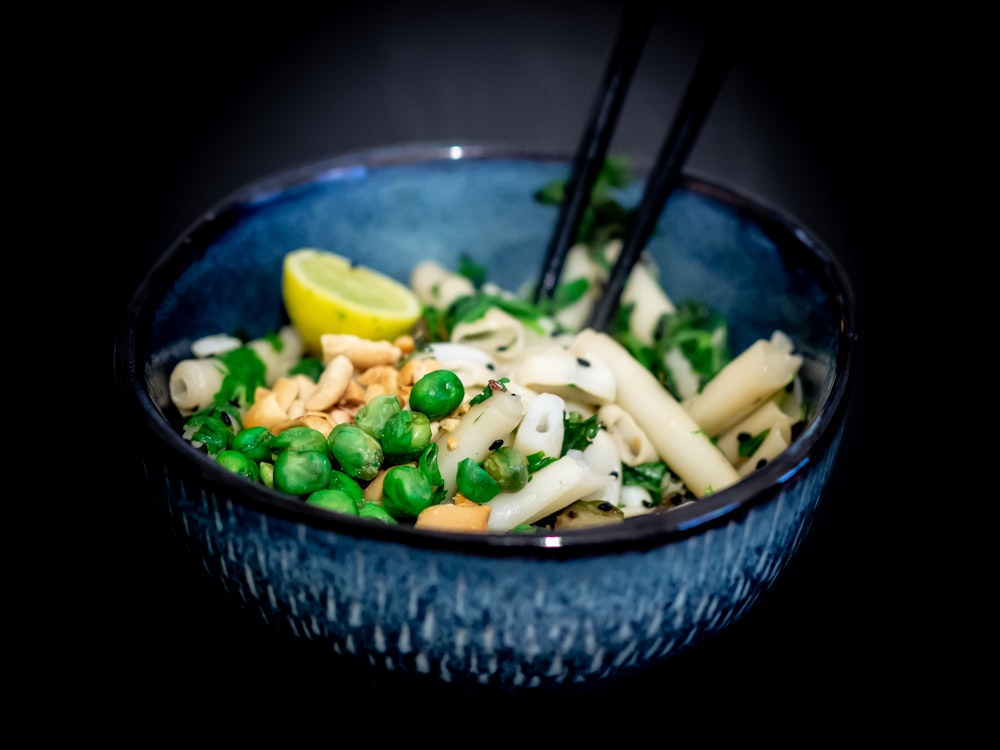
x,y
551,488
210,346
497,333
577,266
649,302
602,455
771,446
194,383
633,444
744,384
542,428
635,501
769,415
570,374
436,286
278,360
678,439
476,433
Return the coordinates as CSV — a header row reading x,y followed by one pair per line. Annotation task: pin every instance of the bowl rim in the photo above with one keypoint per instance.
x,y
638,533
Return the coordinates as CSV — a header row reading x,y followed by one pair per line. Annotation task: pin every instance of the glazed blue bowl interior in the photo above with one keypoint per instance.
x,y
392,207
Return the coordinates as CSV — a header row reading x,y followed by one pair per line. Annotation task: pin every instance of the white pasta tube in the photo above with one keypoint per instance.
x,y
678,439
578,265
438,287
768,416
649,300
574,375
194,383
210,346
543,426
743,384
633,444
278,360
476,432
497,333
685,378
602,455
551,488
770,447
635,501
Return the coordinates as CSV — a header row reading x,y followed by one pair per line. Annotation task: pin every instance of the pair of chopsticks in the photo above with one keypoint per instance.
x,y
710,72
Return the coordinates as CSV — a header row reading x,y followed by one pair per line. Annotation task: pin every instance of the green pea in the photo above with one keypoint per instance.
x,y
298,438
374,511
406,435
437,394
209,429
508,466
254,442
406,492
358,453
340,481
239,463
474,482
301,472
334,500
428,463
373,416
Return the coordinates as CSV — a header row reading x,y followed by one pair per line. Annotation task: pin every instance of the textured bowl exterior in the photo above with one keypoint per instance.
x,y
506,621
514,612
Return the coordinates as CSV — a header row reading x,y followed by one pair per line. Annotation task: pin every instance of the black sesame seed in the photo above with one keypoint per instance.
x,y
762,463
658,328
743,437
605,507
583,362
496,444
224,416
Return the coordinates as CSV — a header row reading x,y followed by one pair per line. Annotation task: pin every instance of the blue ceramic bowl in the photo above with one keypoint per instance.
x,y
512,611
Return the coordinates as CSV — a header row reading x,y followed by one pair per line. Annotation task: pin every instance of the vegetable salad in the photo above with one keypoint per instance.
x,y
496,413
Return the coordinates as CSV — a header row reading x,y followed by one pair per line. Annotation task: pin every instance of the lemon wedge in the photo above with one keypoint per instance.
x,y
326,293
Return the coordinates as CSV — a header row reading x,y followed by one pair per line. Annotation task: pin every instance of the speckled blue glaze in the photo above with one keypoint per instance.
x,y
514,611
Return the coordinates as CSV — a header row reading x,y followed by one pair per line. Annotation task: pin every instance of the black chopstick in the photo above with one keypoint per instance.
x,y
633,29
710,72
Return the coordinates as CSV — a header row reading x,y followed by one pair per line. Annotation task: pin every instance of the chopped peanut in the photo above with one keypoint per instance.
x,y
373,490
363,353
265,412
332,383
296,409
374,390
405,343
386,375
286,390
468,517
355,394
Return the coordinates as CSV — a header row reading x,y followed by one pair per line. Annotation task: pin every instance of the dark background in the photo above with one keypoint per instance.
x,y
190,106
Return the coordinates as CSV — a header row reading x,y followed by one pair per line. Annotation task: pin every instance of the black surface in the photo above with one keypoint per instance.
x,y
210,102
